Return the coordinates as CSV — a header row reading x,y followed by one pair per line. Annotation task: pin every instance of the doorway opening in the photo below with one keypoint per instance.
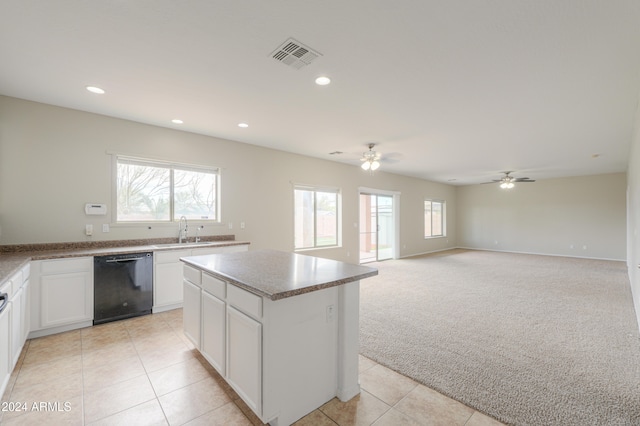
x,y
377,227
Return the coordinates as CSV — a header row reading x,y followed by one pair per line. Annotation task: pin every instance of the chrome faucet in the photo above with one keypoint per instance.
x,y
183,232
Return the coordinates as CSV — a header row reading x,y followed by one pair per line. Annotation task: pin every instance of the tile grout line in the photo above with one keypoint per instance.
x,y
166,419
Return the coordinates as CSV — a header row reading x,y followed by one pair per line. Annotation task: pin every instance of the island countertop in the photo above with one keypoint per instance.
x,y
277,274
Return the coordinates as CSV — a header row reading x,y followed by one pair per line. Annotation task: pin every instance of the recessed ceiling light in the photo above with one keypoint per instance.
x,y
323,81
177,121
94,89
243,125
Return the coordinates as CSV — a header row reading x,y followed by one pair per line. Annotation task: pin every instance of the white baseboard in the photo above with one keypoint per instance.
x,y
541,254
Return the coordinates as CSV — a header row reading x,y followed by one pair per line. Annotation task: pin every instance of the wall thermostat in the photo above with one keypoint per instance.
x,y
95,209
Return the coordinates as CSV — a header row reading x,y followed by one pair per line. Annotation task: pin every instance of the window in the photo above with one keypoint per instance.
x,y
150,191
316,217
434,224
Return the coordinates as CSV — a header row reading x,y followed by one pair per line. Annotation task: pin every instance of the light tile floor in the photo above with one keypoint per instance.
x,y
144,371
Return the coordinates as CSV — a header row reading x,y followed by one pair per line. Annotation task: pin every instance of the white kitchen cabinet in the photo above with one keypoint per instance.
x,y
228,338
214,331
19,313
5,339
61,295
268,351
25,319
16,330
167,279
244,355
227,249
212,250
191,312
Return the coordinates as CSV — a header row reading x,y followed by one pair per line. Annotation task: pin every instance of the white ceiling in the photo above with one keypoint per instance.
x,y
447,89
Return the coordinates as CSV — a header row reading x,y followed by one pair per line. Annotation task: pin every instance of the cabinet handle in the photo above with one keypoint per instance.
x,y
124,260
5,301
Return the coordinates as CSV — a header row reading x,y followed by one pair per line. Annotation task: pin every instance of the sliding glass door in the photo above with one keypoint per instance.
x,y
376,227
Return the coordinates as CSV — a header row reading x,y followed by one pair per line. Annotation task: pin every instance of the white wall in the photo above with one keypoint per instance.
x,y
54,160
633,216
555,216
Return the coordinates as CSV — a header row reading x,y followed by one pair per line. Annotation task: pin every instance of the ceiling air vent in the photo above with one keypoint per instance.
x,y
294,54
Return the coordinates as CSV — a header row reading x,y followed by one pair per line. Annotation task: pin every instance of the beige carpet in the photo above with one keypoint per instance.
x,y
529,340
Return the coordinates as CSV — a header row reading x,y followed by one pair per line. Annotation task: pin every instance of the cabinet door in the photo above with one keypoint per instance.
x,y
191,312
244,357
213,331
66,298
25,323
5,346
167,284
16,326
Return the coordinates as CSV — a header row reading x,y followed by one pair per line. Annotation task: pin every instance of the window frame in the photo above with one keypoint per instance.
x,y
443,220
172,167
338,225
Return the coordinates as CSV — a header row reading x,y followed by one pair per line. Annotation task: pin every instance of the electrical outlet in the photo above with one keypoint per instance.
x,y
105,227
330,313
88,229
241,225
230,225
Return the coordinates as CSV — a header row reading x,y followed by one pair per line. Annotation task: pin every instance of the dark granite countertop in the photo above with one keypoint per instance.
x,y
276,274
12,258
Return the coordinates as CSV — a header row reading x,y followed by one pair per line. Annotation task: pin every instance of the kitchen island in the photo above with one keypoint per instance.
x,y
281,328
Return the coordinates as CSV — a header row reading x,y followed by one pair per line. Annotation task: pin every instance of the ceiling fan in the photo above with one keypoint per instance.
x,y
370,159
508,181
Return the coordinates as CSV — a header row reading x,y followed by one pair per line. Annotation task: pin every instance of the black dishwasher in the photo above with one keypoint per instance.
x,y
123,286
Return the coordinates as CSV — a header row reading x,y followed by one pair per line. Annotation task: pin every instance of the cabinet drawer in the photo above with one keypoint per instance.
x,y
236,248
16,280
170,256
245,301
66,265
214,286
7,287
206,250
26,271
192,274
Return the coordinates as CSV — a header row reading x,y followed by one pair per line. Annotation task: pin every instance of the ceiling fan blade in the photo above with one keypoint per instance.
x,y
508,179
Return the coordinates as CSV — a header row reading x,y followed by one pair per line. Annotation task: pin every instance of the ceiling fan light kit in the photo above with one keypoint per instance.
x,y
508,181
370,159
